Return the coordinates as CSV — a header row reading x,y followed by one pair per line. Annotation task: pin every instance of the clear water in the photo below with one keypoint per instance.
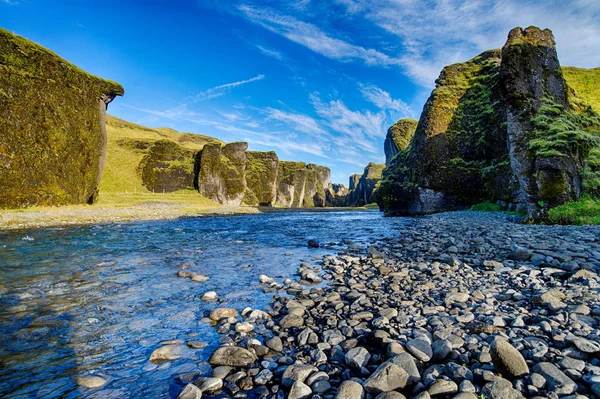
x,y
97,300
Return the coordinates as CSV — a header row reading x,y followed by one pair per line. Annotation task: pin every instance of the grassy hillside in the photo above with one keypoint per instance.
x,y
127,144
586,83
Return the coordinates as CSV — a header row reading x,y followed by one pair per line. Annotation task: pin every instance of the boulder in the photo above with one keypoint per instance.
x,y
232,356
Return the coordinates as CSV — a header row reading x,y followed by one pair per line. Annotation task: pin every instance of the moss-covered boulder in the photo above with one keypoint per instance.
x,y
167,167
398,138
503,126
221,172
261,178
52,126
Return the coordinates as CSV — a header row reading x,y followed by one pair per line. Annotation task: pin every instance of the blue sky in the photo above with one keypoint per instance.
x,y
317,81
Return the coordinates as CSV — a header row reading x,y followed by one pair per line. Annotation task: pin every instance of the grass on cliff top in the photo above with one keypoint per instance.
x,y
127,144
586,83
585,211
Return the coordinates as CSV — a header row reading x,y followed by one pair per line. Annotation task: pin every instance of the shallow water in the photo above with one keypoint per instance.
x,y
97,300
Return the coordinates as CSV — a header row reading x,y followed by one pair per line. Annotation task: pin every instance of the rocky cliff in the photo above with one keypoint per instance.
x,y
261,178
302,186
362,188
398,138
52,126
167,167
503,126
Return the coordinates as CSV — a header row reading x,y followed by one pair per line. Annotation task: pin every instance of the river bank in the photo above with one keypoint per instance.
x,y
132,207
462,305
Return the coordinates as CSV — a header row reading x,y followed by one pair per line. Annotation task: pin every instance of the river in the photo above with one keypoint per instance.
x,y
97,300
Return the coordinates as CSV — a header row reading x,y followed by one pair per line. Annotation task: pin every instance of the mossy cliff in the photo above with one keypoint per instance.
x,y
222,173
261,178
302,186
52,126
362,188
503,126
129,143
398,138
167,167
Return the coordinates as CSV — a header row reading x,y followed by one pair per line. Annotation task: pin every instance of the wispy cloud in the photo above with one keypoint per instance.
x,y
312,37
382,99
271,53
300,122
10,2
221,90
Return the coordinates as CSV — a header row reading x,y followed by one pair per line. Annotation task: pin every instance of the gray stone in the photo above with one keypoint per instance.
x,y
90,381
507,359
420,349
209,384
299,390
442,387
387,377
500,389
190,392
350,390
407,362
167,353
556,380
232,356
296,372
291,320
357,357
274,344
441,348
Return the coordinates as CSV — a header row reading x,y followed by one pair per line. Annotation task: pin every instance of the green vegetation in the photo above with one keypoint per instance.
x,y
51,146
167,167
402,132
487,206
586,83
261,178
584,211
128,143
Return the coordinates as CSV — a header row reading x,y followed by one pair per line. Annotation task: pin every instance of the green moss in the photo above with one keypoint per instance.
x,y
52,140
402,132
586,83
487,206
261,178
584,211
167,167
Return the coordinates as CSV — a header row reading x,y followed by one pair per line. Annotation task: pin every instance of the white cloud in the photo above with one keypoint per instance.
x,y
314,38
10,2
271,53
382,99
436,33
299,122
221,90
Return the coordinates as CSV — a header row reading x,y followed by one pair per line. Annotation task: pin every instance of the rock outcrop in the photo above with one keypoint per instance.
x,y
222,173
167,167
503,127
52,126
261,178
302,186
398,138
336,195
363,187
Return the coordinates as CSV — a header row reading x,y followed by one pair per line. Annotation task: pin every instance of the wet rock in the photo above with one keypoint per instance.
x,y
232,356
507,359
263,377
210,296
264,279
313,243
223,313
209,385
90,381
167,353
244,327
390,395
190,391
274,344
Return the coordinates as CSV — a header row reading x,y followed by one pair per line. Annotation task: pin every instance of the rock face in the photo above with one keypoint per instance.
x,y
363,187
503,126
261,178
301,185
167,167
222,173
52,127
398,138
